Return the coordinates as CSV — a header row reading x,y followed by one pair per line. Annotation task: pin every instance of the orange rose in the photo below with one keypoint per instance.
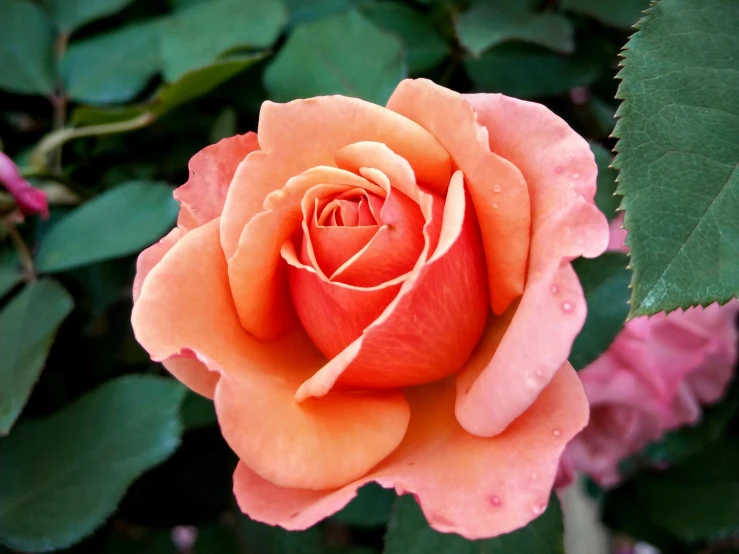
x,y
383,294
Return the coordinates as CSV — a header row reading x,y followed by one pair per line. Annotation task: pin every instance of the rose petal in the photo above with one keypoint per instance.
x,y
396,246
306,133
186,368
476,487
211,171
257,275
185,306
560,171
429,330
496,186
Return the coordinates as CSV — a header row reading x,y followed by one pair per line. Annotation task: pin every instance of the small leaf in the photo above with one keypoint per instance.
x,y
196,36
71,14
113,67
424,47
370,508
604,197
28,323
605,282
120,221
486,25
408,533
678,154
622,13
527,71
65,474
26,61
10,272
190,86
340,54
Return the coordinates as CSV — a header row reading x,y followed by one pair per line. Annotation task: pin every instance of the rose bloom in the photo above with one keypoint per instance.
x,y
652,379
383,294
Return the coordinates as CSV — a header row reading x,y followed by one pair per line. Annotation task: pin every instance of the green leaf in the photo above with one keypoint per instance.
x,y
196,36
678,155
693,501
198,411
266,539
71,14
605,282
10,272
619,13
28,323
370,508
302,11
408,533
486,25
113,67
65,474
526,71
604,197
120,221
190,86
424,47
340,54
26,49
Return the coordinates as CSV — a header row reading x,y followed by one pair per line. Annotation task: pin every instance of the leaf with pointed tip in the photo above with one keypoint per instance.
x,y
678,155
28,323
65,474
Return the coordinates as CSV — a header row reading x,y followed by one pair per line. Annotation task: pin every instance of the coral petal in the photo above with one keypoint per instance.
x,y
211,171
496,186
452,473
306,133
185,306
429,330
560,171
257,274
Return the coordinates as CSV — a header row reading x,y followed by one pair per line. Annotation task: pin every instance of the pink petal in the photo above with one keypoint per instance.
x,y
560,172
476,487
211,171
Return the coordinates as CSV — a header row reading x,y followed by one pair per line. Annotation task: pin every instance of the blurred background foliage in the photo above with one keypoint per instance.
x,y
102,103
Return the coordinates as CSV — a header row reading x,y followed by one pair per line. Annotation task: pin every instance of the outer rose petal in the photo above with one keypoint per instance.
x,y
211,170
185,306
477,487
560,172
306,133
186,368
497,188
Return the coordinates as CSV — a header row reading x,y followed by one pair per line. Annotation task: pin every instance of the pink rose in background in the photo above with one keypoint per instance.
x,y
652,379
29,200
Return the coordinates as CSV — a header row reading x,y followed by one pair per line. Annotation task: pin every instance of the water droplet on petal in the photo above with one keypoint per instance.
x,y
539,373
534,475
497,187
496,205
538,509
495,500
559,169
555,289
556,433
575,176
414,318
567,307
